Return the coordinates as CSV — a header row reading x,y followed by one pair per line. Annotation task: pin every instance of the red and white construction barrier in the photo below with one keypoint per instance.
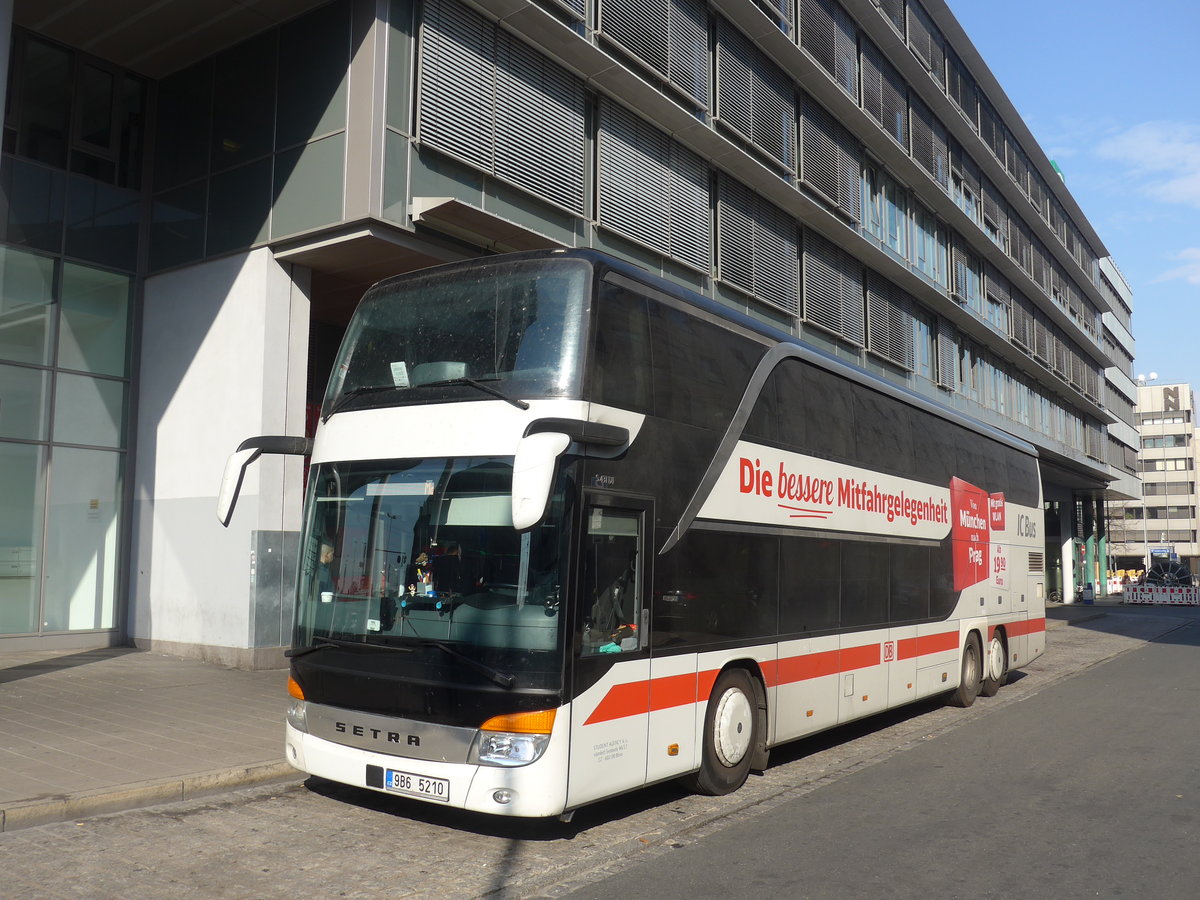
x,y
1151,594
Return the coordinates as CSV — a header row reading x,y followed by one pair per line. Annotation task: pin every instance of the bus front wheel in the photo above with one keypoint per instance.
x,y
971,681
730,735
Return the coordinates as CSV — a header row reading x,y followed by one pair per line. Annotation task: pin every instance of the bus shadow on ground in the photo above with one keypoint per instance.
x,y
517,829
622,806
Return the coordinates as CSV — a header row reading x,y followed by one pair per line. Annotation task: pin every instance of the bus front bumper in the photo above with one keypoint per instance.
x,y
534,790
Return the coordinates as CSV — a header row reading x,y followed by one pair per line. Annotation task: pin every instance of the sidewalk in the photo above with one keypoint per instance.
x,y
84,733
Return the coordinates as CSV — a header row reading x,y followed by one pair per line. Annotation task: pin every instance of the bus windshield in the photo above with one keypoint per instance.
x,y
414,552
512,326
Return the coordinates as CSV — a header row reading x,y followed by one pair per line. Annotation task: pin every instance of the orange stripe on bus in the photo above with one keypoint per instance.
x,y
636,698
1030,626
926,644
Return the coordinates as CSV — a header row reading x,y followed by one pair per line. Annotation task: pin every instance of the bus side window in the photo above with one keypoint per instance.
x,y
620,373
611,587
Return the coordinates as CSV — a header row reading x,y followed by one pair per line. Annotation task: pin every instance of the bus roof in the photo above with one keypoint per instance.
x,y
811,354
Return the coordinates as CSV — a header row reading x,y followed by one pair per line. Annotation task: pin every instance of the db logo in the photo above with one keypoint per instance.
x,y
889,651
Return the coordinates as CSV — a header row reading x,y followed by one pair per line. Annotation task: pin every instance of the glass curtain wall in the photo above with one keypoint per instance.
x,y
71,175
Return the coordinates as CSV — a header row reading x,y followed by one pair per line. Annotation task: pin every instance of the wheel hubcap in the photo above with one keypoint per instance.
x,y
732,727
996,659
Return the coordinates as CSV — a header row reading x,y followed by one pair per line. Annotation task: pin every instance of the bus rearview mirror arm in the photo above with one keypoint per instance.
x,y
533,475
537,455
247,452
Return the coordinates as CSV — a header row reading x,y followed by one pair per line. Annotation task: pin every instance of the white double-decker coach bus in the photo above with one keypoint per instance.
x,y
571,530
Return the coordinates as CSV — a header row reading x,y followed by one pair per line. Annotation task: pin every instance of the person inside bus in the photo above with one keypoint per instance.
x,y
611,625
325,569
451,572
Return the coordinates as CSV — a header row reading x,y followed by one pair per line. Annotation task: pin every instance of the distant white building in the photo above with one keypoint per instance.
x,y
1161,525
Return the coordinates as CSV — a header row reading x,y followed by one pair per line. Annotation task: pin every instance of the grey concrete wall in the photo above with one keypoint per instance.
x,y
223,355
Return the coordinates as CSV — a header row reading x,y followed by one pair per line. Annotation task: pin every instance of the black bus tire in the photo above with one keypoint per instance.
x,y
730,735
996,665
971,679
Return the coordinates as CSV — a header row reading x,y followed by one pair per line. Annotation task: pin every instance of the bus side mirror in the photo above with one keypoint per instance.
x,y
533,475
247,452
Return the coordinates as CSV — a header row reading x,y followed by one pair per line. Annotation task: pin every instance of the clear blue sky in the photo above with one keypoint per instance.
x,y
1110,90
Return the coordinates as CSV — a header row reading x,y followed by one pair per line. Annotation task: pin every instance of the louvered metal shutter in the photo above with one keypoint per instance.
x,y
830,159
757,246
1039,268
539,124
1018,163
671,38
640,26
930,143
967,278
926,41
780,12
691,207
947,350
961,88
893,11
889,321
994,207
999,293
754,96
833,289
1022,319
499,105
1061,362
1058,220
1042,348
992,131
652,189
884,94
577,7
827,32
457,83
1075,361
1038,193
968,170
735,233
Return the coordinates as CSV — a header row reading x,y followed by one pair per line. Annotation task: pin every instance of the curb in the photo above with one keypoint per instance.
x,y
84,804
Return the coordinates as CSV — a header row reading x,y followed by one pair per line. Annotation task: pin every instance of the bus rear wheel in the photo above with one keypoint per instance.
x,y
730,735
997,666
971,681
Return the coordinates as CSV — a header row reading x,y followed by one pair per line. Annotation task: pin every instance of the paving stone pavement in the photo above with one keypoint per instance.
x,y
89,732
316,839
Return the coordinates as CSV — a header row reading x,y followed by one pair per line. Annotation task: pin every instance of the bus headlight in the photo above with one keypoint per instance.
x,y
513,740
297,715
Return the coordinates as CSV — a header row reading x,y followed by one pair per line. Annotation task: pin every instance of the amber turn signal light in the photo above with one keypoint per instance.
x,y
540,722
294,689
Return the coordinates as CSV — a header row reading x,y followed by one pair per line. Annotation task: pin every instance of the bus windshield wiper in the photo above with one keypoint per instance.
x,y
322,643
480,386
504,679
357,392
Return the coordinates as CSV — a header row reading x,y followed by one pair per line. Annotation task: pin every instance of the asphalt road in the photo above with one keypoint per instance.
x,y
1088,789
1079,778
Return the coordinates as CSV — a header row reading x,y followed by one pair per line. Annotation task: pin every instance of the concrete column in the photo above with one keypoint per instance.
x,y
223,358
1089,545
1102,559
1066,513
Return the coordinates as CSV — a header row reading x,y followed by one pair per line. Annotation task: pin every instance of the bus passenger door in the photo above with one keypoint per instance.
x,y
611,662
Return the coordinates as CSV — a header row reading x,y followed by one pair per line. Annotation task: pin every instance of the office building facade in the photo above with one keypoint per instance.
x,y
1160,526
196,197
